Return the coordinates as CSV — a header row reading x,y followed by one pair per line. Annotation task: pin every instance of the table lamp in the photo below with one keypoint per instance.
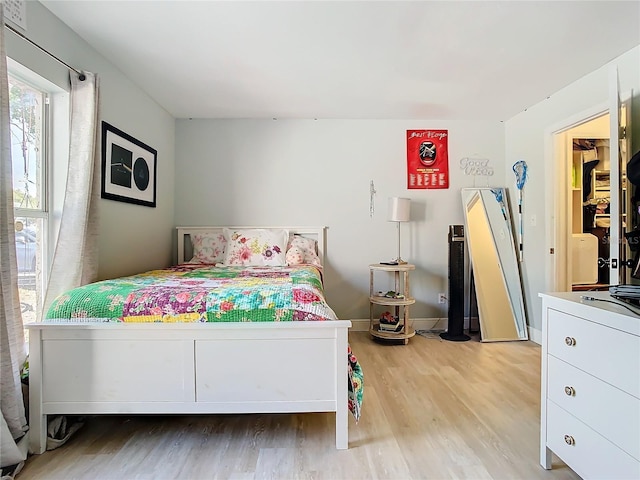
x,y
399,211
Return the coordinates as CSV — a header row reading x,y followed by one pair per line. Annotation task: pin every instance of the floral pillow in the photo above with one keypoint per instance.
x,y
295,256
208,248
302,250
256,247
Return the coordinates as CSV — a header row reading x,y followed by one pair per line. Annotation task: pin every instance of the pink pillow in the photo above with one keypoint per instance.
x,y
208,248
309,250
295,256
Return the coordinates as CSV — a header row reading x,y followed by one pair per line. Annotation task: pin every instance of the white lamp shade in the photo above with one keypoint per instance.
x,y
399,209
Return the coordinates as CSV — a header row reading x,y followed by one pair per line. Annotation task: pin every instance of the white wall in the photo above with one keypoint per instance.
x,y
525,139
318,172
132,238
308,172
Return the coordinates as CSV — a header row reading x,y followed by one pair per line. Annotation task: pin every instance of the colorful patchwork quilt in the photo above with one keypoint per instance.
x,y
205,293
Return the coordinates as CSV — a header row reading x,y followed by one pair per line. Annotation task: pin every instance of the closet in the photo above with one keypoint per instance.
x,y
594,227
590,224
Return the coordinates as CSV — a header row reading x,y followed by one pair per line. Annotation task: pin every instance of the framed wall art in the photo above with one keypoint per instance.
x,y
427,159
128,168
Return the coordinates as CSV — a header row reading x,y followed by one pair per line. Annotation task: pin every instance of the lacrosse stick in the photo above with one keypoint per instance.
x,y
497,192
520,169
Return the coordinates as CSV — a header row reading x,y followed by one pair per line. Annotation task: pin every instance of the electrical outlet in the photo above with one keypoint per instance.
x,y
441,298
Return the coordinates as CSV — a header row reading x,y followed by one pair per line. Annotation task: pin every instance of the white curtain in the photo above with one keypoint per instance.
x,y
12,342
75,261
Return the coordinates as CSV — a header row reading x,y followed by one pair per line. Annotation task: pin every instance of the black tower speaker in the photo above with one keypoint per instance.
x,y
455,331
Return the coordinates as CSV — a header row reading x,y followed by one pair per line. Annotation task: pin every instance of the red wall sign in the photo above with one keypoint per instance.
x,y
427,159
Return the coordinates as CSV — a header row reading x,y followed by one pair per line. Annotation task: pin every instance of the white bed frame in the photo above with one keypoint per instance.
x,y
185,368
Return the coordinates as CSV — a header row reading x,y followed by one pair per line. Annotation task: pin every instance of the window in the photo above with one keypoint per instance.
x,y
39,114
28,112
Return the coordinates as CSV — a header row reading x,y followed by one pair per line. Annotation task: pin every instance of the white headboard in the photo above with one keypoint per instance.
x,y
316,233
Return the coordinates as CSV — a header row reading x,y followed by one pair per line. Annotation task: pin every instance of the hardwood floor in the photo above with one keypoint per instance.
x,y
432,410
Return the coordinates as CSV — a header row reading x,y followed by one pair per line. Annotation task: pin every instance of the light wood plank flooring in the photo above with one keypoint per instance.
x,y
432,410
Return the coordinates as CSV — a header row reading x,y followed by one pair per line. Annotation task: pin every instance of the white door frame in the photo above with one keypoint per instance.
x,y
615,230
557,205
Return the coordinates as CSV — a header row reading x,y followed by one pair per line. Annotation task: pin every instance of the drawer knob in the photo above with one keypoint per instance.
x,y
568,439
570,341
569,391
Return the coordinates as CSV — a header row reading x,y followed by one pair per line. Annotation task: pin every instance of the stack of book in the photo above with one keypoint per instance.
x,y
390,323
397,328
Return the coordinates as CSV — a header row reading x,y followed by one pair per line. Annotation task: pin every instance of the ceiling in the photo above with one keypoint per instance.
x,y
449,60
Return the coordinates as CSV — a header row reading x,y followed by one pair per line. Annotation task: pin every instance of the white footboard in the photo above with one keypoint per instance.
x,y
115,368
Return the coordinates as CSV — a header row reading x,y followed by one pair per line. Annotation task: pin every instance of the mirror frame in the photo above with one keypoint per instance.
x,y
494,261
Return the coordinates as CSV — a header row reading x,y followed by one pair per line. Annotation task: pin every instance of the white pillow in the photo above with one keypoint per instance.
x,y
208,248
295,256
256,247
309,249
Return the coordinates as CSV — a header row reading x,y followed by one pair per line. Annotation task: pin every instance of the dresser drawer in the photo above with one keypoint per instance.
x,y
606,409
589,454
604,352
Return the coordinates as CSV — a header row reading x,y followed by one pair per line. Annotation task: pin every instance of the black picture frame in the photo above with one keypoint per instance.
x,y
129,168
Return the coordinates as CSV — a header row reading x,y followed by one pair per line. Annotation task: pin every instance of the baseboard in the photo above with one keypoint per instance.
x,y
535,335
362,324
437,324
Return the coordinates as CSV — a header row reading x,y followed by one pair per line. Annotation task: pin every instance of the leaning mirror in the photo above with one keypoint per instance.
x,y
496,270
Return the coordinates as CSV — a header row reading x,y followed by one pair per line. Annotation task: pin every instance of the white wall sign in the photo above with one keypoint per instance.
x,y
476,166
15,11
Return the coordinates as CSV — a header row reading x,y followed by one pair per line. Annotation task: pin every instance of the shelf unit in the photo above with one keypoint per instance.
x,y
400,306
576,193
601,188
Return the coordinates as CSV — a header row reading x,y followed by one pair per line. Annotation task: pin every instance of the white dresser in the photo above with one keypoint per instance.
x,y
590,410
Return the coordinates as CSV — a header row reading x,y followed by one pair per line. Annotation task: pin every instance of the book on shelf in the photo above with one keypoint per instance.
x,y
389,323
391,327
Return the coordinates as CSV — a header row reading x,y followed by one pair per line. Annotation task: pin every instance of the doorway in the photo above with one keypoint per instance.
x,y
589,205
572,164
584,202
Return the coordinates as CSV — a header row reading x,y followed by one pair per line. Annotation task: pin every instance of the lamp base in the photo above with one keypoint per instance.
x,y
399,261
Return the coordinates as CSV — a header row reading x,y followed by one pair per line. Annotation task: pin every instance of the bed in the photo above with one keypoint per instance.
x,y
190,361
